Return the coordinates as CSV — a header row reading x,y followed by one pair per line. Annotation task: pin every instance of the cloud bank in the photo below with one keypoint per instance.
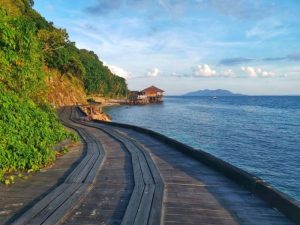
x,y
205,71
256,72
234,61
291,57
118,71
153,73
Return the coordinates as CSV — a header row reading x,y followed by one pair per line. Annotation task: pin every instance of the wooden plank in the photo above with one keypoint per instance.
x,y
92,174
138,191
143,213
206,196
43,214
148,210
53,207
113,187
29,214
157,203
156,207
68,205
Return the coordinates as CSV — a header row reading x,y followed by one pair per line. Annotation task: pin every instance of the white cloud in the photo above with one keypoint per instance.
x,y
205,71
250,71
118,71
256,72
153,73
227,73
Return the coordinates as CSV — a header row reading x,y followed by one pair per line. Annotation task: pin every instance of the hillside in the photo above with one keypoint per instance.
x,y
40,68
206,92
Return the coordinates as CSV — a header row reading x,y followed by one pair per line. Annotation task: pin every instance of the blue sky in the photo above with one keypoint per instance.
x,y
246,46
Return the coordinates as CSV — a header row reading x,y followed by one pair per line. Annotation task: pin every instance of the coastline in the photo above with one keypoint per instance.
x,y
95,109
285,204
256,185
235,129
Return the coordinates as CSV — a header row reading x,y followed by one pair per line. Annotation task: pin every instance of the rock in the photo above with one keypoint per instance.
x,y
94,113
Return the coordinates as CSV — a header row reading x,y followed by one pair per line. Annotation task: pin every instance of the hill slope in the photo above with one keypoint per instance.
x,y
206,92
41,68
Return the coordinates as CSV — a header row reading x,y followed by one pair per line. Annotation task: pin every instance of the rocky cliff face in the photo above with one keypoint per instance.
x,y
63,90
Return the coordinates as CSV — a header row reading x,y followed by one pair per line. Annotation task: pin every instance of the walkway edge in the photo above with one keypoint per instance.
x,y
275,198
58,203
146,202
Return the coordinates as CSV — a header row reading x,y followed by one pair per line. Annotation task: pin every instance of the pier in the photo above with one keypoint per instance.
x,y
123,174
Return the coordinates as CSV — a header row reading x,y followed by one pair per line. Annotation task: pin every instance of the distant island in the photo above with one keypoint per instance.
x,y
218,92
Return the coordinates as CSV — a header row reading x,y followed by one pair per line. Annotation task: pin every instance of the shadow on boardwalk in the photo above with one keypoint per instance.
x,y
202,193
123,185
26,193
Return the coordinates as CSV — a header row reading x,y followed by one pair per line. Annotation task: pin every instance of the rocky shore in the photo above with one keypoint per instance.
x,y
94,108
94,112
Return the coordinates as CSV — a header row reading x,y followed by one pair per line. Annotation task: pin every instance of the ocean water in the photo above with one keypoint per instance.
x,y
258,134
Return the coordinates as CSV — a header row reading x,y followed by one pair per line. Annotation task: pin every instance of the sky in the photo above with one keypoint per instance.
x,y
245,46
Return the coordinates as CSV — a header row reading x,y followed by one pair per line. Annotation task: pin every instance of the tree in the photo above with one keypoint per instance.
x,y
20,55
99,79
54,48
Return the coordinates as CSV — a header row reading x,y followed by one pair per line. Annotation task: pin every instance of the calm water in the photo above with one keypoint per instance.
x,y
258,134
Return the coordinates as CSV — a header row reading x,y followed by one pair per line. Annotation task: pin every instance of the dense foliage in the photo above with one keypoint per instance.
x,y
29,33
29,127
20,62
62,54
100,78
28,132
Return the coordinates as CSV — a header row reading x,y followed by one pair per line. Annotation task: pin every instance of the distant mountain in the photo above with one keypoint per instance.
x,y
206,92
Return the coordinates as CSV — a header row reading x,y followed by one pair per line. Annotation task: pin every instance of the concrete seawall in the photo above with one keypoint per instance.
x,y
276,199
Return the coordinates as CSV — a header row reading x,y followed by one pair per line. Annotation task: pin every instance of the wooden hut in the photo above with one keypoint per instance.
x,y
137,98
154,94
149,95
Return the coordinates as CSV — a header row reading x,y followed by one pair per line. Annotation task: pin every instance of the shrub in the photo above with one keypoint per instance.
x,y
28,133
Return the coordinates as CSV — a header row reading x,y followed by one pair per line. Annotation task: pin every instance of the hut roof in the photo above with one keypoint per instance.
x,y
152,89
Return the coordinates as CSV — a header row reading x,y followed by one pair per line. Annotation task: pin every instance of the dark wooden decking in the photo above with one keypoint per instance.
x,y
107,201
126,177
19,197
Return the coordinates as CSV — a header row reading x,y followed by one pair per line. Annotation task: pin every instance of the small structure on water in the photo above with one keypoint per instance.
x,y
137,97
149,95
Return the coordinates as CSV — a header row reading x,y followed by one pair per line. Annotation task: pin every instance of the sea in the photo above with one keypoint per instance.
x,y
260,134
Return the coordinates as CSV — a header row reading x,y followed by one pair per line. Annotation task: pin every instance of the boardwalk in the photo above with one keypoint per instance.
x,y
126,177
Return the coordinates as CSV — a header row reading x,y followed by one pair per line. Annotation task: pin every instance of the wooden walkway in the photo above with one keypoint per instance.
x,y
125,177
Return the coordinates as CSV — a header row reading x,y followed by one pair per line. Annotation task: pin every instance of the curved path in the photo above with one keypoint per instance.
x,y
56,205
129,178
145,203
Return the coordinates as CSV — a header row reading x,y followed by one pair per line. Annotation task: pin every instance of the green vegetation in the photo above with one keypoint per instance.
x,y
20,62
29,127
64,150
28,41
100,79
28,132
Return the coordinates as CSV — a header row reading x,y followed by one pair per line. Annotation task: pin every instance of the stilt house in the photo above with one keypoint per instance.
x,y
154,94
149,95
